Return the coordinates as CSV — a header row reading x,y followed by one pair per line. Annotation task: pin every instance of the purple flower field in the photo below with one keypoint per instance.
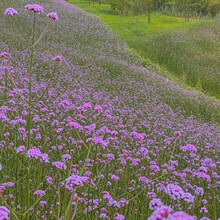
x,y
86,132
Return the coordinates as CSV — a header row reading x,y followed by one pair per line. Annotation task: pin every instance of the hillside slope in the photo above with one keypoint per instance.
x,y
189,51
105,121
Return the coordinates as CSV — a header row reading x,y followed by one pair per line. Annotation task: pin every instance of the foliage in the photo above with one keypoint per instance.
x,y
188,8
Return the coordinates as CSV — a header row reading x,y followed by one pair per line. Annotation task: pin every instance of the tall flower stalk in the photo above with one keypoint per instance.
x,y
29,122
36,9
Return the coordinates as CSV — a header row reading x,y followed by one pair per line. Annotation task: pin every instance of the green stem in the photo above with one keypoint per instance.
x,y
30,112
6,85
81,173
125,194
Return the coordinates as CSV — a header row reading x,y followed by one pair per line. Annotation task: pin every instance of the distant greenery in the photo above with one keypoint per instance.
x,y
192,54
188,8
189,50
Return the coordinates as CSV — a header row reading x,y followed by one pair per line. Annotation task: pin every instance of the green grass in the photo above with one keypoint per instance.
x,y
129,27
187,50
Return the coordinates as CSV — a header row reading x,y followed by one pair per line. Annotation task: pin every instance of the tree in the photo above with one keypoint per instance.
x,y
185,7
200,7
148,4
214,7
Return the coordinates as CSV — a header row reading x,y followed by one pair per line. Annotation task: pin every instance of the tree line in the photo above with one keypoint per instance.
x,y
187,8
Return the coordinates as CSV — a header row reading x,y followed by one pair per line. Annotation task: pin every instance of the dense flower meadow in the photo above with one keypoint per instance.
x,y
87,132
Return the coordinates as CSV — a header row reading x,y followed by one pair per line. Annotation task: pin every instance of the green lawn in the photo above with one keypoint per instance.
x,y
128,26
188,52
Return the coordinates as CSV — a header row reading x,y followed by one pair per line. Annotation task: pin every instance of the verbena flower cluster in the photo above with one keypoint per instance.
x,y
104,143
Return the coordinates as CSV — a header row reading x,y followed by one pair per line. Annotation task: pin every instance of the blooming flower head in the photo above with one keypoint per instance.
x,y
5,55
49,179
39,193
98,108
34,7
143,179
58,58
161,213
155,204
4,212
180,216
42,203
188,197
10,11
103,216
177,133
60,165
174,191
189,147
33,153
203,210
74,181
151,195
199,191
118,217
53,16
20,149
114,177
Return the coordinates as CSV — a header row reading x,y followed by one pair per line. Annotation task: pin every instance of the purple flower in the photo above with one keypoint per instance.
x,y
87,105
204,201
110,156
199,191
49,180
60,165
75,125
138,135
74,181
58,58
177,133
103,216
4,212
174,191
142,151
66,157
53,16
5,55
10,11
202,175
114,177
189,147
99,140
20,149
143,179
39,192
188,197
98,108
180,216
45,158
155,204
106,195
42,203
203,210
118,217
151,195
34,7
34,153
161,213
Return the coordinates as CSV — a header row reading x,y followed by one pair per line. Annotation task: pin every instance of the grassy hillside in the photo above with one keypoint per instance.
x,y
91,133
188,50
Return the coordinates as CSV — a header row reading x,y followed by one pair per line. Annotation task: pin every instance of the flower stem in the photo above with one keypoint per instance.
x,y
29,123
